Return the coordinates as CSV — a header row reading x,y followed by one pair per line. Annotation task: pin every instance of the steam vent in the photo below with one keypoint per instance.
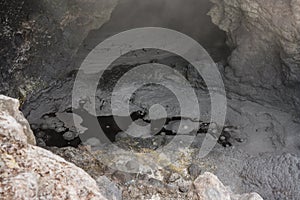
x,y
150,100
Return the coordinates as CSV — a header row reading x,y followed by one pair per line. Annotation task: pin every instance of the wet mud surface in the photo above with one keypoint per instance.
x,y
114,127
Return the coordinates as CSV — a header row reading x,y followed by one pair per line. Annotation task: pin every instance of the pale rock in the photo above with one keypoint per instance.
x,y
209,187
30,172
12,122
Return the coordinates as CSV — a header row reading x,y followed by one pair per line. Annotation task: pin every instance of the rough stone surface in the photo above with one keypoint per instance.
x,y
263,71
276,175
272,175
12,122
82,159
264,37
108,188
174,182
208,186
40,39
194,171
29,172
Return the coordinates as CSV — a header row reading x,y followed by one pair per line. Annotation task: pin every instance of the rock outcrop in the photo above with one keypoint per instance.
x,y
263,71
40,39
264,65
30,172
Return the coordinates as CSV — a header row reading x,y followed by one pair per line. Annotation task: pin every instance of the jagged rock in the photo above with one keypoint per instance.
x,y
208,186
29,172
12,122
264,37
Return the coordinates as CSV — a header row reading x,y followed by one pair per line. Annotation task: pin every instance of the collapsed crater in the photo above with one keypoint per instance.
x,y
255,46
168,14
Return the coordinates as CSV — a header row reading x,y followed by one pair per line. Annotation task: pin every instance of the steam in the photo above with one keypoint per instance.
x,y
186,16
